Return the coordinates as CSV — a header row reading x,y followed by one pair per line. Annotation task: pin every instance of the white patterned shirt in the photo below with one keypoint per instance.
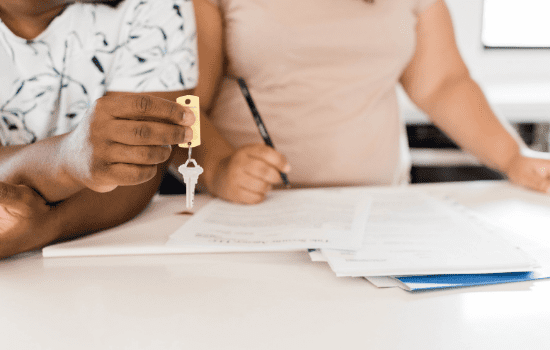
x,y
48,83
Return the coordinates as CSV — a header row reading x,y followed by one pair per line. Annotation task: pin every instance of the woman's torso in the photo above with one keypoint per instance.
x,y
323,75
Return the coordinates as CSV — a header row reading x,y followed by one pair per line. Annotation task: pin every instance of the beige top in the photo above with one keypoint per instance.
x,y
323,75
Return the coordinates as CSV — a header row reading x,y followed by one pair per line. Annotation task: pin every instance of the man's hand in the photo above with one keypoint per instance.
x,y
25,223
123,139
530,169
247,175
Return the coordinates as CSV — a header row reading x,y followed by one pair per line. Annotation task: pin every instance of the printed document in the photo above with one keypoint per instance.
x,y
287,220
411,233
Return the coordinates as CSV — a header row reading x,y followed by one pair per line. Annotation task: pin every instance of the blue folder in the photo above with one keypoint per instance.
x,y
465,280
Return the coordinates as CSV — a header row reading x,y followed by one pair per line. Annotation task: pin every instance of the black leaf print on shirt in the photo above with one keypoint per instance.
x,y
11,126
20,88
13,130
97,64
178,11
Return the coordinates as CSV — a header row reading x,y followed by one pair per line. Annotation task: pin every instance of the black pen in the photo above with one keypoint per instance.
x,y
259,123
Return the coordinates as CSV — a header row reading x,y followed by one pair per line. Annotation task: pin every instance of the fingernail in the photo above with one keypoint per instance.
x,y
188,135
186,115
192,115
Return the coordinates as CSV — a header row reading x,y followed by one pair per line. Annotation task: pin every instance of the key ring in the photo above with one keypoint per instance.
x,y
189,152
184,165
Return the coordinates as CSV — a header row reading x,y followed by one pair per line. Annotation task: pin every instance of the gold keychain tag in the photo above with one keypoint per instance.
x,y
193,103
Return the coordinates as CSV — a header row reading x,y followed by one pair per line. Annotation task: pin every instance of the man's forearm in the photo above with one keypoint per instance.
x,y
39,166
88,211
461,110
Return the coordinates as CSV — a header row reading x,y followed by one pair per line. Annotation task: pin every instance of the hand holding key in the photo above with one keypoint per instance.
x,y
122,139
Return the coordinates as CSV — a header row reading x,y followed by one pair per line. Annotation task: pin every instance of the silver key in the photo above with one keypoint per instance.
x,y
190,177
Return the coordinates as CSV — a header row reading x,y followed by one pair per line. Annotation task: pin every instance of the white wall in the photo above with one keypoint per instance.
x,y
516,82
494,65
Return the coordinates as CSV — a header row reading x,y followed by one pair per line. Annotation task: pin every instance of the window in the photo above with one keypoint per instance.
x,y
516,24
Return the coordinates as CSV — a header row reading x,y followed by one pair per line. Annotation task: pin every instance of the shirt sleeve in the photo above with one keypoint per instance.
x,y
157,48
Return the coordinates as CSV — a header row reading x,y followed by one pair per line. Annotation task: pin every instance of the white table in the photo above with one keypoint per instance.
x,y
270,301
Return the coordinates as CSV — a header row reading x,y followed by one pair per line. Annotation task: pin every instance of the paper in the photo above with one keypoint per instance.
x,y
383,281
411,233
316,256
417,283
286,220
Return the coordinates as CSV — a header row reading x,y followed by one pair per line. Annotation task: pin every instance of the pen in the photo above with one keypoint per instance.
x,y
259,123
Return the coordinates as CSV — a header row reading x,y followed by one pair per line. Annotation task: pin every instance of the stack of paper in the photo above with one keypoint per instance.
x,y
287,220
412,233
391,236
406,233
417,242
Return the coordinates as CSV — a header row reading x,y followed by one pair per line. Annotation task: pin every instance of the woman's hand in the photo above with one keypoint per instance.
x,y
248,175
530,169
25,220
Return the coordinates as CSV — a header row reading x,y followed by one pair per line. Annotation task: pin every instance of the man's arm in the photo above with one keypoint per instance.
x,y
28,222
88,211
39,166
118,143
438,81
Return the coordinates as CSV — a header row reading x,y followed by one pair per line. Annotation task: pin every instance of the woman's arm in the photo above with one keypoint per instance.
x,y
438,81
211,51
244,175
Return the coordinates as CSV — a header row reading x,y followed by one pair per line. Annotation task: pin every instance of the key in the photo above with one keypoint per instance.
x,y
190,177
191,174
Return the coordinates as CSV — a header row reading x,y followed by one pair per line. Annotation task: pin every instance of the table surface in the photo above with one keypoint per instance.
x,y
271,300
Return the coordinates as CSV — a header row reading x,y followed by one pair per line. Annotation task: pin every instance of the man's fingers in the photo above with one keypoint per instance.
x,y
10,195
145,107
122,174
144,155
132,132
15,199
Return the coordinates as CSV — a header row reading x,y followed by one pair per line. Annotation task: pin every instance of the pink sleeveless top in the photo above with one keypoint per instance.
x,y
323,75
